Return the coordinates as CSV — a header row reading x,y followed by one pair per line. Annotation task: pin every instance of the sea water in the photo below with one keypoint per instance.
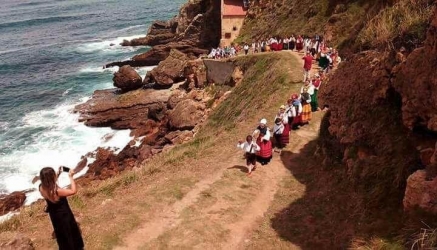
x,y
51,58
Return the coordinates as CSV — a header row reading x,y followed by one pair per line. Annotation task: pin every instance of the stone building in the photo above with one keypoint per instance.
x,y
233,14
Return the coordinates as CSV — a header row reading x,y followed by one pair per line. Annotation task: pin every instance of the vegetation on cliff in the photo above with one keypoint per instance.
x,y
350,24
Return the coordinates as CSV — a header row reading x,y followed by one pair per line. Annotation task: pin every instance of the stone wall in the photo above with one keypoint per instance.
x,y
232,26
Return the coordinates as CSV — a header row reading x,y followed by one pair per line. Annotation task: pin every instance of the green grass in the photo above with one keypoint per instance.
x,y
406,18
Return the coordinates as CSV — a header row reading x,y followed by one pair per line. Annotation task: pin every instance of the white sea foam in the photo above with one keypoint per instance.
x,y
108,46
142,71
67,91
63,143
4,125
98,69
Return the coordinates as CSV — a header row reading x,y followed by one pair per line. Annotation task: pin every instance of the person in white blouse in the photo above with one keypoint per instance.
x,y
250,148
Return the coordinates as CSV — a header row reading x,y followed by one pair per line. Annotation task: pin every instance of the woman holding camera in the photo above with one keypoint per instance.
x,y
67,231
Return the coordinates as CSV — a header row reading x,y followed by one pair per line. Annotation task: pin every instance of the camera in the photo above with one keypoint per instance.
x,y
65,169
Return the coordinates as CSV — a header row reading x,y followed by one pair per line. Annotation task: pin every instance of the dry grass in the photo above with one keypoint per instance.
x,y
406,18
425,239
110,209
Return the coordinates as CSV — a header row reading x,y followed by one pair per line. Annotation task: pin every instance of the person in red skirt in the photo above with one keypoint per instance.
x,y
262,134
299,44
294,112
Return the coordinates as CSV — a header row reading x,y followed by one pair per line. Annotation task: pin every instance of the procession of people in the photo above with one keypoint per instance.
x,y
297,112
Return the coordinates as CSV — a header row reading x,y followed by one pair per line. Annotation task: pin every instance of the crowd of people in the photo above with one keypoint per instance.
x,y
327,57
225,52
292,115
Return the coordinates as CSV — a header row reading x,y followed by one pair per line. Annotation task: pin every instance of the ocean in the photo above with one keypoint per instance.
x,y
51,58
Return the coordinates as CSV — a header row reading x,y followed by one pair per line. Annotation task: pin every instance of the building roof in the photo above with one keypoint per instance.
x,y
233,8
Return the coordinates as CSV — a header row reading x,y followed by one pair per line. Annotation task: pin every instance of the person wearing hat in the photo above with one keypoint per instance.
x,y
283,117
264,155
306,92
250,148
307,63
294,112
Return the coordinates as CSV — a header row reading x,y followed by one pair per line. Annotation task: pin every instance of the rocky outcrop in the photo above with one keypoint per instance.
x,y
186,115
223,72
195,74
127,79
169,71
421,190
160,32
366,121
131,110
108,164
20,242
382,121
421,193
193,31
11,202
416,80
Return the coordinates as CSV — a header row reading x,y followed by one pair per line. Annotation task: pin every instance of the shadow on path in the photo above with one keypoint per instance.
x,y
330,215
241,168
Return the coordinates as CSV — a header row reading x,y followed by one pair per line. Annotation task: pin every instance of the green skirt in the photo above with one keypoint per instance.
x,y
314,101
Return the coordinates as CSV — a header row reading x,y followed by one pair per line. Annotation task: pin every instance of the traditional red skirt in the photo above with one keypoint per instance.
x,y
280,46
266,148
285,137
299,46
274,46
297,120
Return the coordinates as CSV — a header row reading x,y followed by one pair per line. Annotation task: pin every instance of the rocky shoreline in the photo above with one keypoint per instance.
x,y
194,31
164,109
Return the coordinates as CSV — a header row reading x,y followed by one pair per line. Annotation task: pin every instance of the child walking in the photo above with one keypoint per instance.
x,y
250,148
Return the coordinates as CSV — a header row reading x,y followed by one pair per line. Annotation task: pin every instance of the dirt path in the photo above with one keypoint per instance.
x,y
222,209
168,218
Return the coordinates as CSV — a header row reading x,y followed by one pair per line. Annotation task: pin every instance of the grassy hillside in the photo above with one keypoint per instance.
x,y
350,24
109,209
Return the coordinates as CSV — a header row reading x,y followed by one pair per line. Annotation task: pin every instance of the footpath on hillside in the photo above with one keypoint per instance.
x,y
223,209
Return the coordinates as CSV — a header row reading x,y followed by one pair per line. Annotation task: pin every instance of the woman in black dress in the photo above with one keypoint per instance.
x,y
66,229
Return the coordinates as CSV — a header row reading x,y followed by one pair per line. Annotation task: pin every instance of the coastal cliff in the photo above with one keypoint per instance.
x,y
365,182
194,31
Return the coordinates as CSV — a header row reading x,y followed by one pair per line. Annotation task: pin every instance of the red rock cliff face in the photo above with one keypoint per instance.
x,y
383,118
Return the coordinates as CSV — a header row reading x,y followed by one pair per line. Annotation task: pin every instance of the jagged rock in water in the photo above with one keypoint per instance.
x,y
127,79
194,31
130,110
160,32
